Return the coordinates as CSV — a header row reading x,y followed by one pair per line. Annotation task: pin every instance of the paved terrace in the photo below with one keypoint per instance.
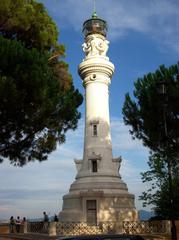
x,y
22,236
45,237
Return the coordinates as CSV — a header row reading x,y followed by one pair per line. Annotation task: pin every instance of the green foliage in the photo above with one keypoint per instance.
x,y
29,22
148,113
38,100
35,110
163,208
145,113
158,194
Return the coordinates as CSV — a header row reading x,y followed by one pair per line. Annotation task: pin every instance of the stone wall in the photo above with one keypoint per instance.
x,y
4,228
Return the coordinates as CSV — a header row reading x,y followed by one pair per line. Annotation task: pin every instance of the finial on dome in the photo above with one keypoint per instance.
x,y
95,25
94,15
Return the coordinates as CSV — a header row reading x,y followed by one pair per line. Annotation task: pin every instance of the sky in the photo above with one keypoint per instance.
x,y
143,34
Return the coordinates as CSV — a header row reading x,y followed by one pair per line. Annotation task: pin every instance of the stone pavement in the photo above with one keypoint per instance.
x,y
46,237
22,236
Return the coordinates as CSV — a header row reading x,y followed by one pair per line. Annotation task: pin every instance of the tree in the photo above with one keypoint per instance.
x,y
38,100
28,21
154,119
158,194
144,113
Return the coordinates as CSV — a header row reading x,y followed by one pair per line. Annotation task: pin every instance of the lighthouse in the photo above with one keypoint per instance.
x,y
98,193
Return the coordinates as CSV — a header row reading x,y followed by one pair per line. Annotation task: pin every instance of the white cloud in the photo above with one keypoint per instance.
x,y
158,19
122,140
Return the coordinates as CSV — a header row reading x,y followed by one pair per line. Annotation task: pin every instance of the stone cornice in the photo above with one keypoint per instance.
x,y
87,67
96,71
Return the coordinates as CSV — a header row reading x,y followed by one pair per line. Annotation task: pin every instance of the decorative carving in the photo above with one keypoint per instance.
x,y
94,121
95,46
117,161
78,163
94,156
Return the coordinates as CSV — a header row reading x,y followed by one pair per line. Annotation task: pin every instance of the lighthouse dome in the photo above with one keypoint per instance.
x,y
95,25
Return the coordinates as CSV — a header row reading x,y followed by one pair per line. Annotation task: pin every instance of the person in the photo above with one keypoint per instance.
x,y
11,224
24,225
55,218
46,219
18,224
24,220
45,222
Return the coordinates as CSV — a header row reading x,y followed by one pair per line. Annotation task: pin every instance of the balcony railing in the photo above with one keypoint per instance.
x,y
71,228
145,227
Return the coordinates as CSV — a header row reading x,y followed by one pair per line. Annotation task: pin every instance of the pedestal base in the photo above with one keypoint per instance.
x,y
96,206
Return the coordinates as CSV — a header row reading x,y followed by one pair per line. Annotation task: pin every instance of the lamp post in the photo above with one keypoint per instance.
x,y
162,91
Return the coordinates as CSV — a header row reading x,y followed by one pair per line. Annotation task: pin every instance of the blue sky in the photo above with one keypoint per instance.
x,y
143,34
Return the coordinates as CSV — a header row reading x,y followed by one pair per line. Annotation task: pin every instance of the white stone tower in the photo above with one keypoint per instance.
x,y
98,194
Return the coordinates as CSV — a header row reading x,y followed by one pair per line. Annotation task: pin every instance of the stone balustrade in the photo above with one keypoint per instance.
x,y
64,229
70,228
146,227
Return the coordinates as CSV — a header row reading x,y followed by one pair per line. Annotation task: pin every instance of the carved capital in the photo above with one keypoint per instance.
x,y
95,45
